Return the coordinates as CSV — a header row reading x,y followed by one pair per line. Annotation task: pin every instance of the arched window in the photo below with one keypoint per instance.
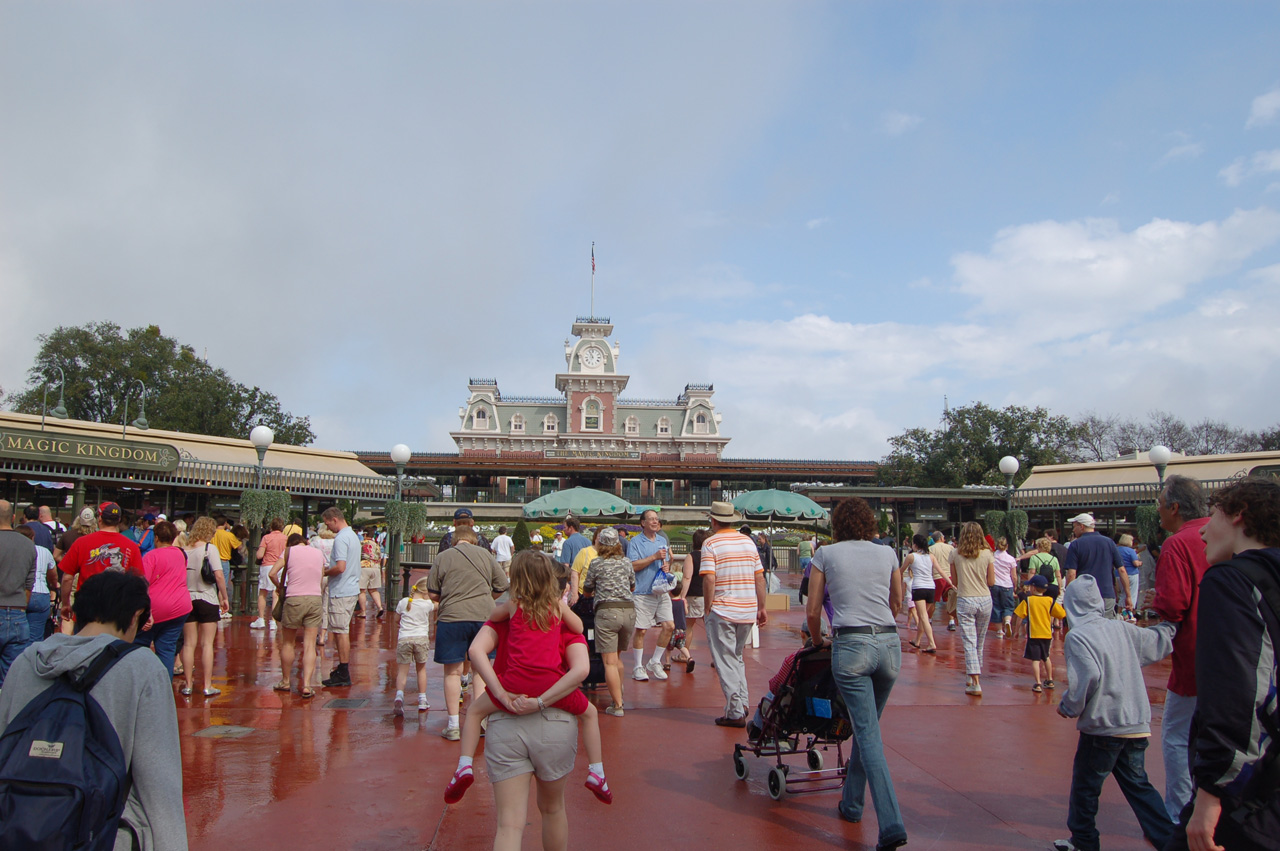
x,y
700,424
664,426
481,419
633,426
517,424
591,415
550,425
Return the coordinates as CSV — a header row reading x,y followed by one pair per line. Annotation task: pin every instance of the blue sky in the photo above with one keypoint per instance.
x,y
837,213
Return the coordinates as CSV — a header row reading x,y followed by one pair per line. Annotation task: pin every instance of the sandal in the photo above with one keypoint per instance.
x,y
932,650
282,686
308,692
210,692
913,644
185,691
1050,684
1037,688
688,666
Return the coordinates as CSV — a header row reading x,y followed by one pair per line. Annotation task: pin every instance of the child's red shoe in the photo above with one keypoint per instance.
x,y
459,784
599,787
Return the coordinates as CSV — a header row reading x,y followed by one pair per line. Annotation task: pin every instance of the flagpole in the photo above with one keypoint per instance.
x,y
593,280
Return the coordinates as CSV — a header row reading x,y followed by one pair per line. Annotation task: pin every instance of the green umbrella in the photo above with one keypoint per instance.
x,y
580,502
779,505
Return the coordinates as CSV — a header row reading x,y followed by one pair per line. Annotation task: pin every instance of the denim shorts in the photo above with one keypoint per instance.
x,y
1002,603
453,640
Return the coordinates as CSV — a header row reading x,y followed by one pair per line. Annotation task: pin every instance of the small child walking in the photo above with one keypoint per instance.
x,y
533,663
1107,694
1039,611
413,643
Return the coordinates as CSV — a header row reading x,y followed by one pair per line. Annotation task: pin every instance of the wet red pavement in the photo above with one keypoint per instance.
x,y
989,772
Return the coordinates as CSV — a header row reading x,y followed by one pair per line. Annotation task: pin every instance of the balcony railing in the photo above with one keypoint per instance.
x,y
492,495
1098,496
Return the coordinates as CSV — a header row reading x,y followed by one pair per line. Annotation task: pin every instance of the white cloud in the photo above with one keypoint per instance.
x,y
1262,162
1112,198
1095,261
1265,110
814,224
1189,151
897,123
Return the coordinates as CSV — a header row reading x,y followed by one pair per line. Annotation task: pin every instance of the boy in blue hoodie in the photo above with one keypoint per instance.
x,y
1108,696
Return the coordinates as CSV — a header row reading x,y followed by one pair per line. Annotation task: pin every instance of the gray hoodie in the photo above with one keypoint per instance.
x,y
137,696
1104,665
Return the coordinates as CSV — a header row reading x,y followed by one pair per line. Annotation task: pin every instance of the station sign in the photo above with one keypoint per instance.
x,y
95,451
931,515
613,455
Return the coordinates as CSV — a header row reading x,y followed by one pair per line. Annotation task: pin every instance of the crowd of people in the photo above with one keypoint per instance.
x,y
507,626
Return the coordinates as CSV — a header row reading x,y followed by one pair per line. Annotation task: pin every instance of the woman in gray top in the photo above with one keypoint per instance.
x,y
865,584
610,580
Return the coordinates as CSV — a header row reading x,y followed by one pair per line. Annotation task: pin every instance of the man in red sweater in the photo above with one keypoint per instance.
x,y
1182,564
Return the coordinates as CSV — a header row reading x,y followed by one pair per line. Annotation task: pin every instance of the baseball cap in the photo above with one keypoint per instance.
x,y
462,512
109,513
1038,581
1085,519
608,536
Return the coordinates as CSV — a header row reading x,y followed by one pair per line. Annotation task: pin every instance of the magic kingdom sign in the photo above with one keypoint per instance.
x,y
94,451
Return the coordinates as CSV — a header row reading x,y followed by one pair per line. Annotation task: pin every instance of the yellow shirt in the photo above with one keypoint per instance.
x,y
1043,608
225,542
292,529
580,564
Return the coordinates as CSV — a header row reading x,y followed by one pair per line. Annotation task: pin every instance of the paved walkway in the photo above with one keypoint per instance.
x,y
264,770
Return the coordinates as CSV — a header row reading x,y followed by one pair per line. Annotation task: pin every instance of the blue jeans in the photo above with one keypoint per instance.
x,y
1175,734
37,617
165,636
14,638
1097,757
865,668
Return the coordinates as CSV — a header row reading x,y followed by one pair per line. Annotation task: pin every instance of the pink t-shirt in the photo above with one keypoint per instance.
x,y
271,548
306,564
166,572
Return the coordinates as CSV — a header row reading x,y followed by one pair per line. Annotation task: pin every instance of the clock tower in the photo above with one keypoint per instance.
x,y
591,382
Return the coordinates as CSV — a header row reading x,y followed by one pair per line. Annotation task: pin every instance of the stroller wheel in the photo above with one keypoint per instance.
x,y
777,784
740,769
815,760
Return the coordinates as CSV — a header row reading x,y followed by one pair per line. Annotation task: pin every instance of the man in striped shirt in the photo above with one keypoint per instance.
x,y
733,591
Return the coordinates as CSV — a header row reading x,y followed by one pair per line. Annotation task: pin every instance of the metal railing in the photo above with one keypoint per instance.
x,y
1098,496
492,495
216,475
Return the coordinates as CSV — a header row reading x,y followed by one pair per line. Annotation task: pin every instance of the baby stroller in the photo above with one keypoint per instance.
x,y
808,706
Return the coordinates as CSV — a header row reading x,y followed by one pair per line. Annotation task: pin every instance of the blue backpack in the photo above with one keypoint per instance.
x,y
63,778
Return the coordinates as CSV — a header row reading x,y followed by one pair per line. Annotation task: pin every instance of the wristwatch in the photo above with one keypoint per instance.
x,y
541,705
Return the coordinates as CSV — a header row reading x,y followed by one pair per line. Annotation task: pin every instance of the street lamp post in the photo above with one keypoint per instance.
x,y
141,422
1009,466
59,412
261,437
400,455
1160,456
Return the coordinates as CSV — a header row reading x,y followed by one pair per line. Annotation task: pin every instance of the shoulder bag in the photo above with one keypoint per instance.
x,y
206,569
277,608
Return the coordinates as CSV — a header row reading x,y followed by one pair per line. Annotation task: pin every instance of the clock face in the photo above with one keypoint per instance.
x,y
592,357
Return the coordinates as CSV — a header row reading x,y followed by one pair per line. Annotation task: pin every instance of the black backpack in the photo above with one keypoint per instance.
x,y
63,778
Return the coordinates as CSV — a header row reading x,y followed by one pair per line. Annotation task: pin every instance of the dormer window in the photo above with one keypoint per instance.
x,y
700,424
517,424
480,420
633,426
664,426
550,425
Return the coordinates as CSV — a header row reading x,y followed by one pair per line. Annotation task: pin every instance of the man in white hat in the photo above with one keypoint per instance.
x,y
1099,557
733,592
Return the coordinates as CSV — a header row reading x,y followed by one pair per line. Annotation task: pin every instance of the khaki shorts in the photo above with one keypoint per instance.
x,y
695,607
614,629
653,609
413,651
544,744
300,612
340,612
370,579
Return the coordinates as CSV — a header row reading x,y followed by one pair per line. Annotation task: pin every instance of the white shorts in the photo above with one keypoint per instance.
x,y
264,578
653,609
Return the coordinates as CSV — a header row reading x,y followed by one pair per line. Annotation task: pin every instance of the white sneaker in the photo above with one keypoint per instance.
x,y
423,706
639,674
655,668
1064,845
615,711
258,624
399,706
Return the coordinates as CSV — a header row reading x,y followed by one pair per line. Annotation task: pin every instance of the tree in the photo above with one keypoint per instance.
x,y
1096,437
966,449
184,393
520,537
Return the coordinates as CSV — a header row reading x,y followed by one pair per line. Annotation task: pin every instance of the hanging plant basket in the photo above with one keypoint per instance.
x,y
259,507
405,518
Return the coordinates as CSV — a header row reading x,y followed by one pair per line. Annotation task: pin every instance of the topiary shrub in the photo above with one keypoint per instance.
x,y
258,507
1016,524
993,522
520,537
